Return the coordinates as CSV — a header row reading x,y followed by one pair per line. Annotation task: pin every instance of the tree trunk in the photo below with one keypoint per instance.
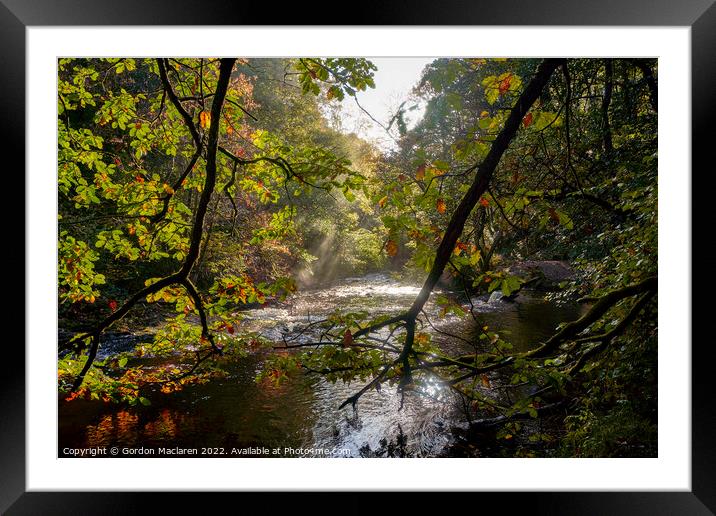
x,y
482,179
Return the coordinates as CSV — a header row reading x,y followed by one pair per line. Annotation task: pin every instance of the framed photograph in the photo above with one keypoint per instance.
x,y
443,249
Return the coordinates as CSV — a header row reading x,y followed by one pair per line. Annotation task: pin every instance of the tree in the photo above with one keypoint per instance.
x,y
186,121
572,364
200,184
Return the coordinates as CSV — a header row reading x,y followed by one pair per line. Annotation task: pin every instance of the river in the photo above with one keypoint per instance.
x,y
301,416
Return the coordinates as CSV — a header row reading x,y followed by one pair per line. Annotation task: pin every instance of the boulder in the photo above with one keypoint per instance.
x,y
548,273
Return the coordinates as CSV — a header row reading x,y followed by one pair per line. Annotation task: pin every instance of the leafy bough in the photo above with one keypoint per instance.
x,y
181,277
400,361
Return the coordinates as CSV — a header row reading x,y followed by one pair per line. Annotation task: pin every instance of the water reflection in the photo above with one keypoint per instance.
x,y
303,412
117,428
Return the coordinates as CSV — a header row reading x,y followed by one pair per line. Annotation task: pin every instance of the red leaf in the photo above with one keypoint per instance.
x,y
527,120
505,84
112,305
347,339
484,202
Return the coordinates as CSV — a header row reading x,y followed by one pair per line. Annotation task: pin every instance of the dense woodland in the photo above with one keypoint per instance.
x,y
192,189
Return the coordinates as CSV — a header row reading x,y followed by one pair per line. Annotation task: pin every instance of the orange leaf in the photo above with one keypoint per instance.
x,y
440,206
205,119
484,202
382,202
459,247
71,396
527,120
347,339
420,173
391,248
485,381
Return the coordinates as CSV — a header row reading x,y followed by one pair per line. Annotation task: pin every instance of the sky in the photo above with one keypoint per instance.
x,y
394,80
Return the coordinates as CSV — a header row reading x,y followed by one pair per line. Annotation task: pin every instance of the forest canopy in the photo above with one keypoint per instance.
x,y
193,190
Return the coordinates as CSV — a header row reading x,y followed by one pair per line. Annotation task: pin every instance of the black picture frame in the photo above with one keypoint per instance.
x,y
17,15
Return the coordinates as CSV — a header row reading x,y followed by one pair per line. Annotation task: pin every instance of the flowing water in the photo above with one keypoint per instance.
x,y
301,417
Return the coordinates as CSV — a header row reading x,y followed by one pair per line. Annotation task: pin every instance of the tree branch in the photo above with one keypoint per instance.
x,y
483,177
181,276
